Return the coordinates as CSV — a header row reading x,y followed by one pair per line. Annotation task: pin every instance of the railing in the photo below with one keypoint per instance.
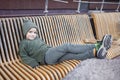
x,y
79,4
93,2
46,5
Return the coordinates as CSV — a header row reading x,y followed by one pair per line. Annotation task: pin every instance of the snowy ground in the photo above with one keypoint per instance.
x,y
96,69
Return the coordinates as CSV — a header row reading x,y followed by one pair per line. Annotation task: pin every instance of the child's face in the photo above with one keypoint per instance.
x,y
31,34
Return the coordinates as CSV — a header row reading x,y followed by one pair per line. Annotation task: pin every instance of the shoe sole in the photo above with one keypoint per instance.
x,y
101,53
107,41
106,44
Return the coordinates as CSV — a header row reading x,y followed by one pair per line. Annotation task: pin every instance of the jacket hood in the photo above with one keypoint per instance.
x,y
27,25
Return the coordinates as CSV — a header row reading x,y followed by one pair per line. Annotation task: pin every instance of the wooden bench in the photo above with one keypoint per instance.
x,y
108,23
54,30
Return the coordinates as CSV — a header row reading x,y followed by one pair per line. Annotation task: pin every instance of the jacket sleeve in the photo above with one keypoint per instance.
x,y
26,58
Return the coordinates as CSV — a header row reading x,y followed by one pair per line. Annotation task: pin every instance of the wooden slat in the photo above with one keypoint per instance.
x,y
41,32
13,40
46,76
48,29
57,28
5,43
76,31
7,74
55,75
21,71
2,56
113,52
58,76
13,72
1,78
30,72
4,76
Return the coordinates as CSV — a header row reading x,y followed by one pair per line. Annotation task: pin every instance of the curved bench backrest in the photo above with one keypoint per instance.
x,y
107,23
54,30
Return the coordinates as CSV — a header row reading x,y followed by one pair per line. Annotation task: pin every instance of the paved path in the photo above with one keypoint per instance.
x,y
96,69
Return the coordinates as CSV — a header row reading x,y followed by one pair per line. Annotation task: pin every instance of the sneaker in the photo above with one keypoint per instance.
x,y
107,41
102,52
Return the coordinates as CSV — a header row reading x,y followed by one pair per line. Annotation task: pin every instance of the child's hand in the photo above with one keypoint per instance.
x,y
36,67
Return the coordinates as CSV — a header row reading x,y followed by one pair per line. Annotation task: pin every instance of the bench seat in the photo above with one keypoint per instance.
x,y
108,23
54,30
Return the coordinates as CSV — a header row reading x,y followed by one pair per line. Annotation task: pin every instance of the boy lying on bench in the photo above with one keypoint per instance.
x,y
35,52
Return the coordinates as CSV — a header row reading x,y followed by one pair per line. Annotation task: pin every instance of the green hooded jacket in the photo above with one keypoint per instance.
x,y
32,52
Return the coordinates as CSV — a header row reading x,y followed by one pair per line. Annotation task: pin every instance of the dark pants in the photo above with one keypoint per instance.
x,y
69,51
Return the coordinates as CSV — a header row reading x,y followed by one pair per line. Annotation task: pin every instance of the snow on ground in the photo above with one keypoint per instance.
x,y
96,69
